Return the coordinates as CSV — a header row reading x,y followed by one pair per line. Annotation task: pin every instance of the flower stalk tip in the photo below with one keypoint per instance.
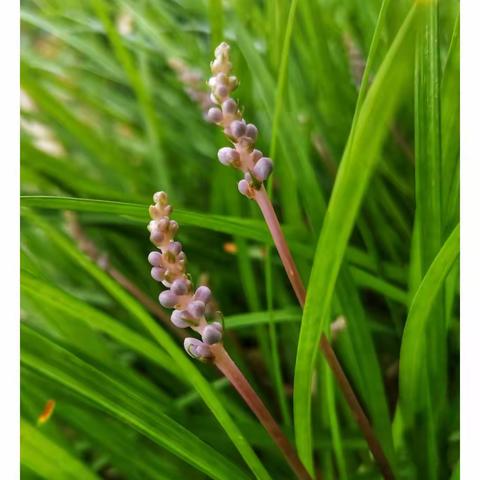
x,y
226,114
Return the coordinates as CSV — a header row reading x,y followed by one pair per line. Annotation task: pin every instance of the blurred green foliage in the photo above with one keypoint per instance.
x,y
366,183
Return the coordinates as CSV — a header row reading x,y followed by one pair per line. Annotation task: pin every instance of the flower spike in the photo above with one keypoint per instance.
x,y
169,268
243,155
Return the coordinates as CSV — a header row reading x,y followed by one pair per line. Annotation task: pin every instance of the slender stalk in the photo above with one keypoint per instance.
x,y
361,418
357,410
273,224
230,370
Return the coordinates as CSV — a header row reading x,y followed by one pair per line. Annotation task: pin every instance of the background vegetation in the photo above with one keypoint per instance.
x,y
106,123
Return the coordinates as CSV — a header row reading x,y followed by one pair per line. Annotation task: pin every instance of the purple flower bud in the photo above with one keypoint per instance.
x,y
168,299
256,155
227,155
251,131
229,106
163,224
156,237
158,274
214,115
179,286
196,309
218,326
248,177
263,169
203,294
244,188
152,225
221,91
238,128
174,247
197,349
211,335
155,259
178,320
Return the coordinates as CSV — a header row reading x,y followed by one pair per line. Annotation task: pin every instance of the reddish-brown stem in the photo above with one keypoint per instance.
x,y
356,408
273,224
228,367
271,219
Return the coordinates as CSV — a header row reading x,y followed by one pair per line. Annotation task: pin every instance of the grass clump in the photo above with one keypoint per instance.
x,y
357,105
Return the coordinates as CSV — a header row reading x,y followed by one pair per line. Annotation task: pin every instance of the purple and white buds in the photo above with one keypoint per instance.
x,y
229,107
214,115
179,320
196,309
180,286
243,155
245,189
203,294
251,131
161,228
157,237
155,259
221,91
168,267
228,156
238,128
256,155
263,168
158,274
168,299
197,349
174,247
212,333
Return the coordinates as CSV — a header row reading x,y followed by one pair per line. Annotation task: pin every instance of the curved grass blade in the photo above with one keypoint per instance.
x,y
247,228
450,128
354,174
60,365
429,221
61,301
48,459
413,342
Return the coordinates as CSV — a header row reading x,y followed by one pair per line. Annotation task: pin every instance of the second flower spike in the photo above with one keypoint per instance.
x,y
169,267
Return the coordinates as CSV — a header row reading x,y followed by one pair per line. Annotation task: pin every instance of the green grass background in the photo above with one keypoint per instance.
x,y
357,102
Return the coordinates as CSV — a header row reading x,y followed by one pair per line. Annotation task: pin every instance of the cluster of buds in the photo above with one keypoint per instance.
x,y
169,268
243,155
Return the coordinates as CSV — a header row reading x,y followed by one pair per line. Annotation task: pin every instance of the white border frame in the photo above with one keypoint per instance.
x,y
10,256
